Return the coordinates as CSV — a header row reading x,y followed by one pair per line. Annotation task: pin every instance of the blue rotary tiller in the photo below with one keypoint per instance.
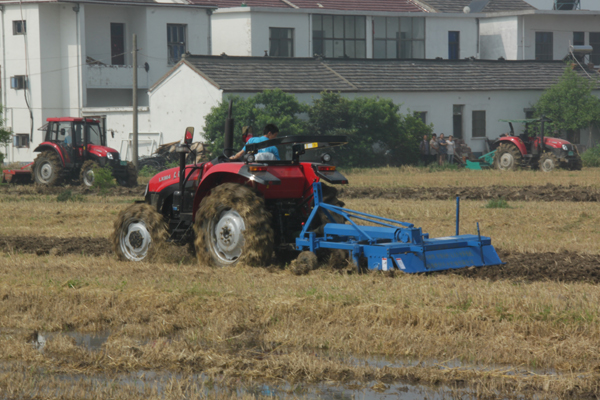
x,y
394,244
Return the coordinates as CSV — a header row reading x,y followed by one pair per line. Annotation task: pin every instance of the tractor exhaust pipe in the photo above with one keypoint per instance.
x,y
228,147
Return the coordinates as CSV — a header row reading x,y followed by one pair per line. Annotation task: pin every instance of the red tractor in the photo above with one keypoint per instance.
x,y
72,149
513,151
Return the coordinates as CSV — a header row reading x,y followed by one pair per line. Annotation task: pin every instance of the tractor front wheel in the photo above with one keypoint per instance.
x,y
232,225
507,157
138,232
47,169
547,162
86,175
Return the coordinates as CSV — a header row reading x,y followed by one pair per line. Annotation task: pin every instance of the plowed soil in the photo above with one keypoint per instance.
x,y
75,189
547,192
527,267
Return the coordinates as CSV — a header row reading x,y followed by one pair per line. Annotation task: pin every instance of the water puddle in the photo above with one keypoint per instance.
x,y
89,341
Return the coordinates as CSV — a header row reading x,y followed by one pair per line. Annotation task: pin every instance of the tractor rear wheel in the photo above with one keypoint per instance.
x,y
507,157
138,233
547,162
86,175
47,169
233,225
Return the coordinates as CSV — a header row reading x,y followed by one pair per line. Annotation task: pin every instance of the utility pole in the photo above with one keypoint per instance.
x,y
134,151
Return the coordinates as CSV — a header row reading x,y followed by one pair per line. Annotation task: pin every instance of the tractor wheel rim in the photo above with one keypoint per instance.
x,y
547,165
135,240
45,171
227,236
88,177
506,160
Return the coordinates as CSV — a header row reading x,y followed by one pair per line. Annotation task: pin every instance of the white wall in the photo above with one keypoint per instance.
x,y
500,37
232,33
549,4
436,36
563,27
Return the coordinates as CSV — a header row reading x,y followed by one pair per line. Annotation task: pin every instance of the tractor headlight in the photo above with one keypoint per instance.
x,y
565,148
109,156
325,158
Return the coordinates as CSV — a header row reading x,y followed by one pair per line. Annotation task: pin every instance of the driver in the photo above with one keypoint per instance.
x,y
270,132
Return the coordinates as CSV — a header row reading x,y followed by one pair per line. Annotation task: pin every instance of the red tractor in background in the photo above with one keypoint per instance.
x,y
72,149
513,151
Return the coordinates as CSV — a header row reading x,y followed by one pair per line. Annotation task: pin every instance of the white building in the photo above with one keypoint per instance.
x,y
465,98
60,57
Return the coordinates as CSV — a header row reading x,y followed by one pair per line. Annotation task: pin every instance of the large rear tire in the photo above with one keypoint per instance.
x,y
86,175
548,162
47,169
507,157
138,233
232,225
132,176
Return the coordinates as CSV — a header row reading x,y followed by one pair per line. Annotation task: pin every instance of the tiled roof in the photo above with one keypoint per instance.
x,y
457,6
253,74
344,5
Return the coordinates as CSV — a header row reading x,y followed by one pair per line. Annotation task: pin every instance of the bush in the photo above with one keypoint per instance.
x,y
147,171
497,203
591,157
103,178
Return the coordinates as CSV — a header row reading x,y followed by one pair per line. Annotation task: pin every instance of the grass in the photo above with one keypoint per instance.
x,y
497,203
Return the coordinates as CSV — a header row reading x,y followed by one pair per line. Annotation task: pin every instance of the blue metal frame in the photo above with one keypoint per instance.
x,y
394,244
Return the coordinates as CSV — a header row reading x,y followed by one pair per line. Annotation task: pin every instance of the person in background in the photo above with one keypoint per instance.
x,y
424,149
433,147
442,151
270,132
450,146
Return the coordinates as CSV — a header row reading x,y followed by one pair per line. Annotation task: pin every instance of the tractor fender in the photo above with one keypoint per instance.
x,y
514,140
50,146
211,180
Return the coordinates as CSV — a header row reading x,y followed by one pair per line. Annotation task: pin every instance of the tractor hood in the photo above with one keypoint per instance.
x,y
100,151
555,142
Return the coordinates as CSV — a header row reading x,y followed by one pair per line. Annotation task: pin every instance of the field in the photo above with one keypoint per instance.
x,y
77,323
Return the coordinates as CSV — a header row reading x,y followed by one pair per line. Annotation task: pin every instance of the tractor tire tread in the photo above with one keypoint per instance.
x,y
89,164
504,148
57,168
155,224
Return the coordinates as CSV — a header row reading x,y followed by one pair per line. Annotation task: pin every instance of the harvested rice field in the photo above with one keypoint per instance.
x,y
77,323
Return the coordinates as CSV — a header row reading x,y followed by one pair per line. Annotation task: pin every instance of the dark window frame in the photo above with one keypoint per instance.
x,y
176,46
352,44
422,115
21,140
117,43
275,43
544,46
453,45
594,41
18,82
401,45
478,126
20,27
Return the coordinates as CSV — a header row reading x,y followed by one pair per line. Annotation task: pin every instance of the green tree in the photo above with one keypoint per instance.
x,y
570,103
378,134
268,107
5,136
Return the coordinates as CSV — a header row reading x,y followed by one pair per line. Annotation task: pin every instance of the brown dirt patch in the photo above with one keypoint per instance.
x,y
565,266
547,192
42,245
137,191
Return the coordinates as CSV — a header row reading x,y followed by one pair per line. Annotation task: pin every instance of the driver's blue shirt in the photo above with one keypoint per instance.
x,y
270,149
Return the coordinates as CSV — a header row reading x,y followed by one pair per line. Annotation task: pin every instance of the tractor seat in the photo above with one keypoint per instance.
x,y
265,156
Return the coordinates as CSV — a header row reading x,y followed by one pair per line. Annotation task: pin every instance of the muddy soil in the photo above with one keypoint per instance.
x,y
42,245
547,192
526,267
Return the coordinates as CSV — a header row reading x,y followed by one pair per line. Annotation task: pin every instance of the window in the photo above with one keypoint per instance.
x,y
395,37
578,38
176,39
457,121
595,43
21,140
338,36
422,115
117,44
453,45
19,27
18,82
281,42
478,124
543,46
